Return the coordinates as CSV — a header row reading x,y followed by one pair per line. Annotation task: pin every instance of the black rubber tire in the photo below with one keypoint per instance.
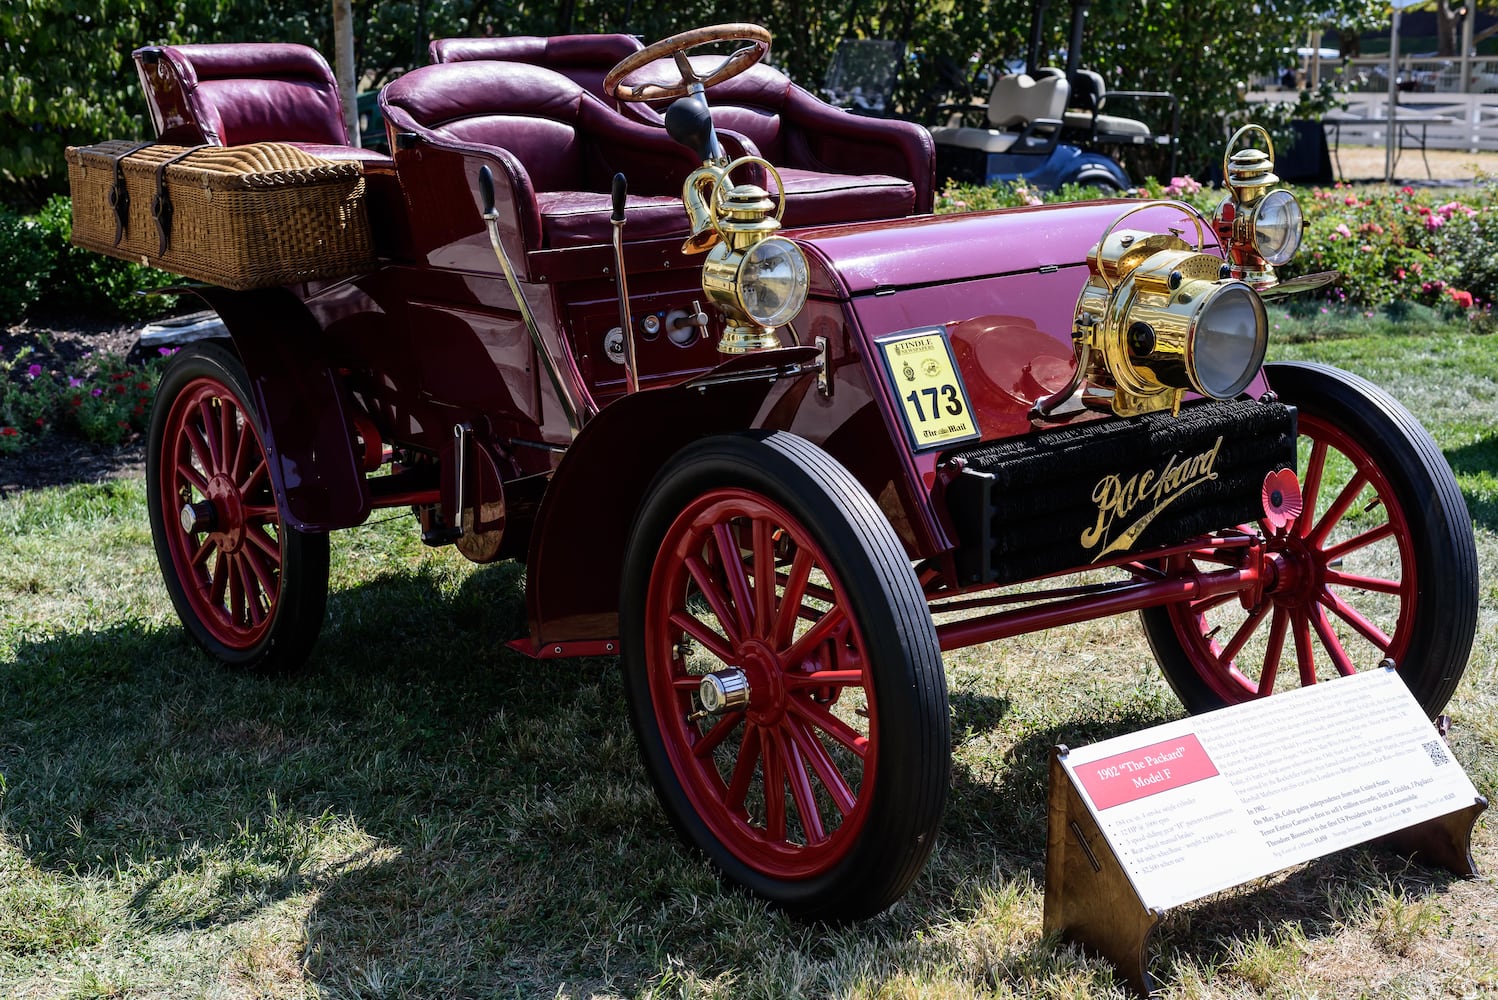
x,y
1433,645
900,814
292,586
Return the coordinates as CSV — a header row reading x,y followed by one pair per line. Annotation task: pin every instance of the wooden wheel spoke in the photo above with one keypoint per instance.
x,y
201,450
1244,633
1273,650
230,440
259,476
735,576
802,796
1378,534
1310,489
1374,583
1335,512
193,478
821,630
265,544
263,573
208,427
713,594
772,765
794,593
204,550
710,740
822,764
1208,603
700,633
1329,641
743,770
763,555
818,716
1357,621
236,589
218,584
1305,653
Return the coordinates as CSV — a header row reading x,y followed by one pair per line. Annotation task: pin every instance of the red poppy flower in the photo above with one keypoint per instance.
x,y
1282,499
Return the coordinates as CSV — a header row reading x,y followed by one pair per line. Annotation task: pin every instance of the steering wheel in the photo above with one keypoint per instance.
x,y
678,46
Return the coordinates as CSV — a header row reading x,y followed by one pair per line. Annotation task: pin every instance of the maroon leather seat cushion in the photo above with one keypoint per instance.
x,y
567,142
837,167
583,59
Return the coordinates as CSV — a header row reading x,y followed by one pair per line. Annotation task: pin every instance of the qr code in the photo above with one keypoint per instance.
x,y
1437,753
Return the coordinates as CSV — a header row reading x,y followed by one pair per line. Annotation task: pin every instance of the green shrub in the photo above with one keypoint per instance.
x,y
30,257
105,400
103,286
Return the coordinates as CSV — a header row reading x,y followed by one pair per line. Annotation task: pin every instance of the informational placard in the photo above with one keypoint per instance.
x,y
929,387
1195,806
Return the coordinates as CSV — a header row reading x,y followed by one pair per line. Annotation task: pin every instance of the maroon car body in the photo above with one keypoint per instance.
x,y
766,534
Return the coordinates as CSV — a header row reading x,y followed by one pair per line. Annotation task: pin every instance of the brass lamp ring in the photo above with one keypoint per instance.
x,y
1191,213
727,171
1227,154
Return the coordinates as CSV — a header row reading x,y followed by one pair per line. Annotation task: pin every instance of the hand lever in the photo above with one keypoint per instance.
x,y
486,189
626,327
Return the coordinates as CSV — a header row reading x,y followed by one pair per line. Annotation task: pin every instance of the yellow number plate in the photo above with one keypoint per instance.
x,y
929,388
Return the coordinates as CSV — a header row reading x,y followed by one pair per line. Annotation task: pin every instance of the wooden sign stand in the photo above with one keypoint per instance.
x,y
1090,899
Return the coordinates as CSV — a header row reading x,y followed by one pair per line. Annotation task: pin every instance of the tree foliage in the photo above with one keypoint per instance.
x,y
72,80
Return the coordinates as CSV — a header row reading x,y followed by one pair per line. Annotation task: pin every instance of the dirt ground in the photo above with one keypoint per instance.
x,y
1366,163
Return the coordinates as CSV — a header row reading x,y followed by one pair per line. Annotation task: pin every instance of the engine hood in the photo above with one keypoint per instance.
x,y
945,249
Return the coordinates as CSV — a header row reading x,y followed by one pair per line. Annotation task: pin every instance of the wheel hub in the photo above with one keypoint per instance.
x,y
723,691
227,517
761,667
197,517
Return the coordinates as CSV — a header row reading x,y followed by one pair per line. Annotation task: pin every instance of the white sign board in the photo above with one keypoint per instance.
x,y
1195,806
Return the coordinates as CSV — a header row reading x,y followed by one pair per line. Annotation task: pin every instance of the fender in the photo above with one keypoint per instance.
x,y
314,470
578,544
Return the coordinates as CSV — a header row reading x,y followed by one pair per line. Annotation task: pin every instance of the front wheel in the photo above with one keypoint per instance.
x,y
784,677
249,589
1379,563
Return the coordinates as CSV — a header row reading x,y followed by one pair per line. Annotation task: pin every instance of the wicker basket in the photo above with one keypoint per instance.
x,y
243,217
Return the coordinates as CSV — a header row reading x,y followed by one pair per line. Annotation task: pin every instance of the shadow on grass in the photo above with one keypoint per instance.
x,y
444,817
1480,458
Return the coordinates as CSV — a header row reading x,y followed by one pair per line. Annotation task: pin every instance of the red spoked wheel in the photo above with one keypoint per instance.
x,y
1378,562
784,676
250,590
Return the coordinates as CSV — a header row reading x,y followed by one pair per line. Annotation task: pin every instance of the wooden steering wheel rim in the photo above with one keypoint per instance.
x,y
732,66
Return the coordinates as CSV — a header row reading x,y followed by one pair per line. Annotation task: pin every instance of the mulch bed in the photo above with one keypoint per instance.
x,y
62,343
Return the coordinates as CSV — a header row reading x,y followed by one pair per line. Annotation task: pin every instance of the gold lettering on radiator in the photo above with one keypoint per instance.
x,y
1125,507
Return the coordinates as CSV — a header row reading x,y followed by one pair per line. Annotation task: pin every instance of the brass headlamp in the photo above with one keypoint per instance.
x,y
1158,319
1259,229
758,280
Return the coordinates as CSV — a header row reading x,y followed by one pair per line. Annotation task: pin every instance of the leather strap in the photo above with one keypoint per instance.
x,y
119,194
161,205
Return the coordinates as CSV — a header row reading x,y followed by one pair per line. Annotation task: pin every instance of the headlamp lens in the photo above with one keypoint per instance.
x,y
1230,337
1277,225
773,282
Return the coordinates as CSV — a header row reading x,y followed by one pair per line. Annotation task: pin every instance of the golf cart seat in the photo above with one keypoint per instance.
x,y
1020,110
583,59
559,145
232,93
1087,124
837,167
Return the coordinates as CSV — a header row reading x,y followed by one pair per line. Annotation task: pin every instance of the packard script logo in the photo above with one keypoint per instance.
x,y
1125,507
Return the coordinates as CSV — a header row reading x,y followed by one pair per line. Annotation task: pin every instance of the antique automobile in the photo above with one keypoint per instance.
x,y
754,419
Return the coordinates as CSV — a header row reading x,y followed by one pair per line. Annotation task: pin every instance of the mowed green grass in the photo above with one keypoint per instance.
x,y
425,814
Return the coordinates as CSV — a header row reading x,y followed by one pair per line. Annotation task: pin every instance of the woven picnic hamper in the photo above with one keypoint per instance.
x,y
250,216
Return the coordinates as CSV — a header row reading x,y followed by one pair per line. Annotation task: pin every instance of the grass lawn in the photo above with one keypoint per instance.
x,y
425,814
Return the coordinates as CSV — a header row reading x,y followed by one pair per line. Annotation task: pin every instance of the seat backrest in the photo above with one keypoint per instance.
x,y
1087,90
583,59
1018,99
227,94
751,104
530,111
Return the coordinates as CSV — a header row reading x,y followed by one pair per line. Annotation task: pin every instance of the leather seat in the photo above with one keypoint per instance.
x,y
233,93
583,59
561,147
837,167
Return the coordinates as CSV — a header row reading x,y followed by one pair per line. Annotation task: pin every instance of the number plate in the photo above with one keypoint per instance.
x,y
925,380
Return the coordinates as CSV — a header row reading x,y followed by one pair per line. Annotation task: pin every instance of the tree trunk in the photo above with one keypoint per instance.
x,y
1448,28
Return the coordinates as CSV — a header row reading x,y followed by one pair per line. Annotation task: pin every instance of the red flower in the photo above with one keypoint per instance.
x,y
9,432
1282,499
1461,298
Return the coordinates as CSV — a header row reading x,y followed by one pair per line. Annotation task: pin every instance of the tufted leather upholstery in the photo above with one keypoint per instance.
x,y
561,146
583,59
837,167
234,93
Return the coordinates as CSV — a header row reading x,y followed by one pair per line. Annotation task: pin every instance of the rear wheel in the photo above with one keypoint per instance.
x,y
1379,563
249,589
783,676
